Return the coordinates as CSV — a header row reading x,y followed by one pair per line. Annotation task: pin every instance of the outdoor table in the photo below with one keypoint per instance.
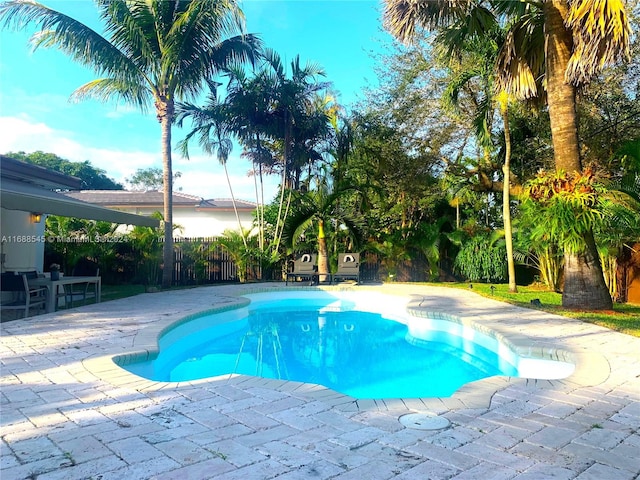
x,y
52,287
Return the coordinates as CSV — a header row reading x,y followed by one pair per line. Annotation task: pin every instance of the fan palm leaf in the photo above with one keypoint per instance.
x,y
601,37
520,65
401,17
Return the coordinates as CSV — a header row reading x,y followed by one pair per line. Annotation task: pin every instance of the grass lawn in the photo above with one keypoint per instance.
x,y
623,318
113,292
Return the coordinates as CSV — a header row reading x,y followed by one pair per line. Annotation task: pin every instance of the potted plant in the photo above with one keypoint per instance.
x,y
55,271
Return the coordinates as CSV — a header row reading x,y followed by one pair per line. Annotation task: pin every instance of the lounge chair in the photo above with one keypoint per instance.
x,y
304,267
348,267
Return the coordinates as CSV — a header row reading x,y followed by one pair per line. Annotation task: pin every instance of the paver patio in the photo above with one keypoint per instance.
x,y
68,412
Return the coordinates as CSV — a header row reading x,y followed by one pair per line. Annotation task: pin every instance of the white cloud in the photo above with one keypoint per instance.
x,y
214,185
201,175
20,134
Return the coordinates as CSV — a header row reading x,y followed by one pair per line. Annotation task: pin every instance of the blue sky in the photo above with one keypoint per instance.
x,y
35,112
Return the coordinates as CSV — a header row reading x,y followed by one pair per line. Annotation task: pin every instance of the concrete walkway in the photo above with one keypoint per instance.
x,y
68,412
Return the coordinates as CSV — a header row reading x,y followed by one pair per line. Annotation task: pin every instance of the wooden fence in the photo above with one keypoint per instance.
x,y
200,261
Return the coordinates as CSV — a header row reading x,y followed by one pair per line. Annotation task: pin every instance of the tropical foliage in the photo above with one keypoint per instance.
x,y
148,179
321,213
557,45
72,239
482,258
473,123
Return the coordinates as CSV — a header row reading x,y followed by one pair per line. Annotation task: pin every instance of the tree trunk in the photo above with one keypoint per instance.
x,y
323,253
506,199
233,202
582,282
165,112
582,271
561,96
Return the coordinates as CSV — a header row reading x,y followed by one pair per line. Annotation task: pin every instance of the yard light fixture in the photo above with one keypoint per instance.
x,y
36,217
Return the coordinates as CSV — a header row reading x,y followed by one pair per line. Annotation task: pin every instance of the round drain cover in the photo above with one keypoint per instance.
x,y
424,421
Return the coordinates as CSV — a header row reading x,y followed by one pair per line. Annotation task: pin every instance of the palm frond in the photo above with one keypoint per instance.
x,y
511,9
478,23
451,94
401,17
303,216
356,227
482,122
521,60
72,37
105,89
601,36
129,26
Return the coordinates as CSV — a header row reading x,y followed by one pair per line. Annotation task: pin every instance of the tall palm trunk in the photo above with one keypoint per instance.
x,y
233,201
323,252
584,285
506,198
165,113
561,95
261,198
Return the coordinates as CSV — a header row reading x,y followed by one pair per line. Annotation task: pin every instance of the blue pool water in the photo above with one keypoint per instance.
x,y
365,346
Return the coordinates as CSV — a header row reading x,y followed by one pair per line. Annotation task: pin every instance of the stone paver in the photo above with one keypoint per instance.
x,y
69,412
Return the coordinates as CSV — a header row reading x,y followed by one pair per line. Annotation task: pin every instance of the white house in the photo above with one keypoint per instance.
x,y
196,216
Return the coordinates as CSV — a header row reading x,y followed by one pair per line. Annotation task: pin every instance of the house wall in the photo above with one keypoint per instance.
x,y
22,241
200,223
210,224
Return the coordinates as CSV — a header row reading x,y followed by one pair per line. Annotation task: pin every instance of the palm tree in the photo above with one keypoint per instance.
x,y
297,122
248,103
277,119
481,53
589,205
239,246
154,51
503,102
211,127
321,209
565,43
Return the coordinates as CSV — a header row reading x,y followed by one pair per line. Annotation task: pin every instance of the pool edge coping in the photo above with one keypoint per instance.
x,y
590,368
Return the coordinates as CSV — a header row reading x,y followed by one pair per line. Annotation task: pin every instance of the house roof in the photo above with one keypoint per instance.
x,y
29,188
155,199
35,174
125,198
226,204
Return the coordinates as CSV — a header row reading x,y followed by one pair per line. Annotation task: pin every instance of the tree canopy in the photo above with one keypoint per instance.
x,y
93,178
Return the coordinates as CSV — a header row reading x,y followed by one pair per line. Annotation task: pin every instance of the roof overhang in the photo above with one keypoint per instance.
x,y
27,172
27,197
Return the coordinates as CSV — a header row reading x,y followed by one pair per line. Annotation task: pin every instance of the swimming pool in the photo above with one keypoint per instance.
x,y
363,344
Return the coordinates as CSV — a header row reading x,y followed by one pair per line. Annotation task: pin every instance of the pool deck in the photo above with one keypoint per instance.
x,y
68,412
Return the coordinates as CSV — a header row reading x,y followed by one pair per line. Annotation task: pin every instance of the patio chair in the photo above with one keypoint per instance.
x,y
348,267
81,291
304,267
23,297
30,274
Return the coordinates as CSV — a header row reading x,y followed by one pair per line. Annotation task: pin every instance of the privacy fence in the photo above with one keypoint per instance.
x,y
201,261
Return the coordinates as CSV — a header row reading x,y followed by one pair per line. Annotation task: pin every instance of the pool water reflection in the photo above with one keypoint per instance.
x,y
331,342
